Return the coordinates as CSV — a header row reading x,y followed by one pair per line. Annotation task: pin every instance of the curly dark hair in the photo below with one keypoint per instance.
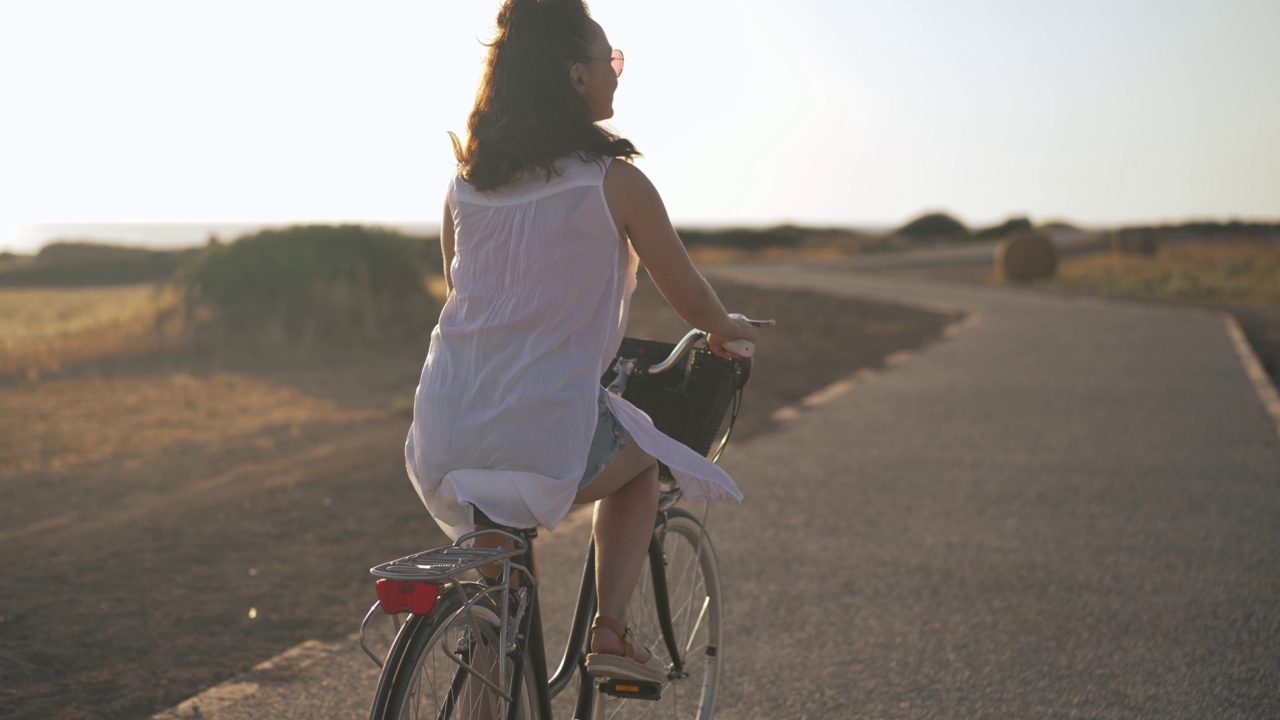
x,y
527,113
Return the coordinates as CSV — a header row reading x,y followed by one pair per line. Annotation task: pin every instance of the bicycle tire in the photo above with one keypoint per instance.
x,y
693,587
422,680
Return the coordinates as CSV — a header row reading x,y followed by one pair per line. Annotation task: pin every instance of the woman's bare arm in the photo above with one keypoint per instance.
x,y
640,213
446,245
642,216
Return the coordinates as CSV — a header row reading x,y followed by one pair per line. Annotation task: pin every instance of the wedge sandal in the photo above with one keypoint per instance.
x,y
624,666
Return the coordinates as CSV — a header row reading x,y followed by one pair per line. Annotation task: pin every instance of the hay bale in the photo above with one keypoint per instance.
x,y
1026,256
309,285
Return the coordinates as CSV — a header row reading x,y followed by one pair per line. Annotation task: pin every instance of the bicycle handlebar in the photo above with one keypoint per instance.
x,y
677,352
625,366
745,348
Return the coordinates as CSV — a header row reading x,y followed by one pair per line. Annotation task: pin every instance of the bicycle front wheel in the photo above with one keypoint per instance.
x,y
452,664
688,569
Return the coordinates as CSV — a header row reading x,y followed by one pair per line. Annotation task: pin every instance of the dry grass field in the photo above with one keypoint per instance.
x,y
34,314
45,329
702,255
1235,269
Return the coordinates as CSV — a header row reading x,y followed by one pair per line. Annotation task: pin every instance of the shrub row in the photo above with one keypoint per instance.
x,y
77,264
308,284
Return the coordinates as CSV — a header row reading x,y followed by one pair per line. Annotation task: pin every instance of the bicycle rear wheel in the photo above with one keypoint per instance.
x,y
451,664
692,579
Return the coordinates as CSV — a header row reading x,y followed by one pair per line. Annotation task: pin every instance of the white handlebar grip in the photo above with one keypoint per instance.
x,y
741,347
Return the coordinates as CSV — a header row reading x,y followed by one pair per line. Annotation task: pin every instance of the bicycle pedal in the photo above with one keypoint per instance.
x,y
634,689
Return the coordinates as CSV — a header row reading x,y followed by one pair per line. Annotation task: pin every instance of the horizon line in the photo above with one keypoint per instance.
x,y
15,243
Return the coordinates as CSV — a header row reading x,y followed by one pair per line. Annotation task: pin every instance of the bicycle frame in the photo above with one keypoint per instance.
x,y
573,661
529,625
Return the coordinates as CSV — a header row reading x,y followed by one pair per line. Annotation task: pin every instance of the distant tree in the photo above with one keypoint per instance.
x,y
1059,226
933,225
82,263
995,232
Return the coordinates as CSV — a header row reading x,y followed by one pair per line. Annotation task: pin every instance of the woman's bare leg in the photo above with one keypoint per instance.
x,y
627,490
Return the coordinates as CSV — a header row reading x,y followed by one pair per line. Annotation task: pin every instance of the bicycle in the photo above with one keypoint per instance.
x,y
472,647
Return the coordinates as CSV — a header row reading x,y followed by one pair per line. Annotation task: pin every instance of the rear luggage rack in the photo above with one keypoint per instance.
x,y
442,565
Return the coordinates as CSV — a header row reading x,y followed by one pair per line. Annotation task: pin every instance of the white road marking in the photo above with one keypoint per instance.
x,y
212,700
1253,368
237,689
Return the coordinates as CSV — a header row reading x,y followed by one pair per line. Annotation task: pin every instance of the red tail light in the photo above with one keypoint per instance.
x,y
397,596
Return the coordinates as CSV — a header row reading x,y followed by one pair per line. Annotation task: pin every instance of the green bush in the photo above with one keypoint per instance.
x,y
308,284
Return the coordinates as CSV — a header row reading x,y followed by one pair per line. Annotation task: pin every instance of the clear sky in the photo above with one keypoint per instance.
x,y
751,112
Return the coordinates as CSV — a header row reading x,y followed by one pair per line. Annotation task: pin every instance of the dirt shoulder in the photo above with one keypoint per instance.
x,y
171,521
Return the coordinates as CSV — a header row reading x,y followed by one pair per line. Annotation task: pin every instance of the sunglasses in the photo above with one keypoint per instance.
x,y
615,59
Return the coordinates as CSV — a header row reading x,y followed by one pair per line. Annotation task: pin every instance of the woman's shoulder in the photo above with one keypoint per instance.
x,y
624,177
626,186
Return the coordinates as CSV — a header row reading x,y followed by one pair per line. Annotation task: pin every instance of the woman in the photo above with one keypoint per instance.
x,y
541,232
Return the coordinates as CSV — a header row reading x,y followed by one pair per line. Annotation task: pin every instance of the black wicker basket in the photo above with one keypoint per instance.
x,y
688,402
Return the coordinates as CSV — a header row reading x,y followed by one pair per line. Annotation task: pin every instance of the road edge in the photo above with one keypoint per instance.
x,y
1253,368
242,686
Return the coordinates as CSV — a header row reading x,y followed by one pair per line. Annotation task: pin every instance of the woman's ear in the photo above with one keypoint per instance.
x,y
578,76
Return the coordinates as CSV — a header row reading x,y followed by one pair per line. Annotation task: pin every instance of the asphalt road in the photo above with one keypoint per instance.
x,y
1068,509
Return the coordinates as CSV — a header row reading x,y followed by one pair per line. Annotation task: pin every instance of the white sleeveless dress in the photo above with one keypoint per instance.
x,y
507,404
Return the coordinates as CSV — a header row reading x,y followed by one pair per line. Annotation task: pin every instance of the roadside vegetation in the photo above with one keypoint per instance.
x,y
302,287
299,287
308,285
1196,270
319,285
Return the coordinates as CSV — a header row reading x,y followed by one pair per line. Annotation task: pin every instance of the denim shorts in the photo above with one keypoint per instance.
x,y
609,438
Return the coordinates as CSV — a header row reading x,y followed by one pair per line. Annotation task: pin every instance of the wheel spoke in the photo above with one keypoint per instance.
x,y
702,614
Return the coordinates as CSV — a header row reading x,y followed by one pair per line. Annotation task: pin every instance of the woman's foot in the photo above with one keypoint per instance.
x,y
615,654
608,642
